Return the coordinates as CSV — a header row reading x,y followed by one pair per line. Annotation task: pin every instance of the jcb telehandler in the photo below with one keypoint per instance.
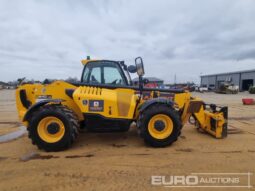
x,y
106,100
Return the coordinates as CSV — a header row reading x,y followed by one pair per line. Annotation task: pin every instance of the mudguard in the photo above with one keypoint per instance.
x,y
150,102
39,104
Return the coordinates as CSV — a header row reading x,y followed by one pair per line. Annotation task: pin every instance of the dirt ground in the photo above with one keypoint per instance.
x,y
121,161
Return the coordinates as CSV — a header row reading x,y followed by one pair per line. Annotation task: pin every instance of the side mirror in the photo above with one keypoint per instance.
x,y
139,66
132,69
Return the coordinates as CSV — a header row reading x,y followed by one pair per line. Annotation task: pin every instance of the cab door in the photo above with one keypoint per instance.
x,y
114,102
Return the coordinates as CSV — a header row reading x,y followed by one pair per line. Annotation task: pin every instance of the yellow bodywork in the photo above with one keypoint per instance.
x,y
118,103
56,90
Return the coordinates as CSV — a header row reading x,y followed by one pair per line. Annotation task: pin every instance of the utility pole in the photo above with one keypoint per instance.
x,y
174,80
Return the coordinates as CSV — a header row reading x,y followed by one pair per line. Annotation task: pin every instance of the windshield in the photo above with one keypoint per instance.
x,y
104,72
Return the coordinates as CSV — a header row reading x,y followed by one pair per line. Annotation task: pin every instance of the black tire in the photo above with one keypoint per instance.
x,y
68,118
145,117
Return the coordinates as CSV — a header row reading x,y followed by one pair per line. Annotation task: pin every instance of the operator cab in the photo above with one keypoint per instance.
x,y
106,72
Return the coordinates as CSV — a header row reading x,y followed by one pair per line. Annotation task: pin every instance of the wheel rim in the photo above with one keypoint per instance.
x,y
160,126
51,129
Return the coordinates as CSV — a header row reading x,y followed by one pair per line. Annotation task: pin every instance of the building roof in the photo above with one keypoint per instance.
x,y
3,83
151,79
225,73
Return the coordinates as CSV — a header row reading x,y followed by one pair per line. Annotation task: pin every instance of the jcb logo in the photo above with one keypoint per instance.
x,y
96,104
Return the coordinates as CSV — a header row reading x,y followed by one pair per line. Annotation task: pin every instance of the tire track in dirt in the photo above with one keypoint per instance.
x,y
242,118
120,179
10,124
65,180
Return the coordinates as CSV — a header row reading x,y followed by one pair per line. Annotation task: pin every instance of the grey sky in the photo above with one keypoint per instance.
x,y
48,38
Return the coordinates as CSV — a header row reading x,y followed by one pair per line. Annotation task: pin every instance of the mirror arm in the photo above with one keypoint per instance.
x,y
141,85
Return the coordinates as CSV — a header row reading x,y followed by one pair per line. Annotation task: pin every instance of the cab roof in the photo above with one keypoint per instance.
x,y
86,61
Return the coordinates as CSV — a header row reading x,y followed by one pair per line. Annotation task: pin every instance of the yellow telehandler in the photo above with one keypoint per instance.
x,y
106,100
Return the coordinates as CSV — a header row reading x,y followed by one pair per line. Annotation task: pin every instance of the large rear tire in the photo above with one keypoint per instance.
x,y
53,127
159,125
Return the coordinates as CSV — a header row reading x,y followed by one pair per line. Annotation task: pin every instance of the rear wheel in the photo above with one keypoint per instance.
x,y
159,125
53,127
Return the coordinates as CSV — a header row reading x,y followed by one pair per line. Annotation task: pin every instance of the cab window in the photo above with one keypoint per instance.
x,y
95,77
103,72
85,74
112,76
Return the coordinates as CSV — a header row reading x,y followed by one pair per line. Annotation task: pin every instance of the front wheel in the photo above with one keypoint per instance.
x,y
159,125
